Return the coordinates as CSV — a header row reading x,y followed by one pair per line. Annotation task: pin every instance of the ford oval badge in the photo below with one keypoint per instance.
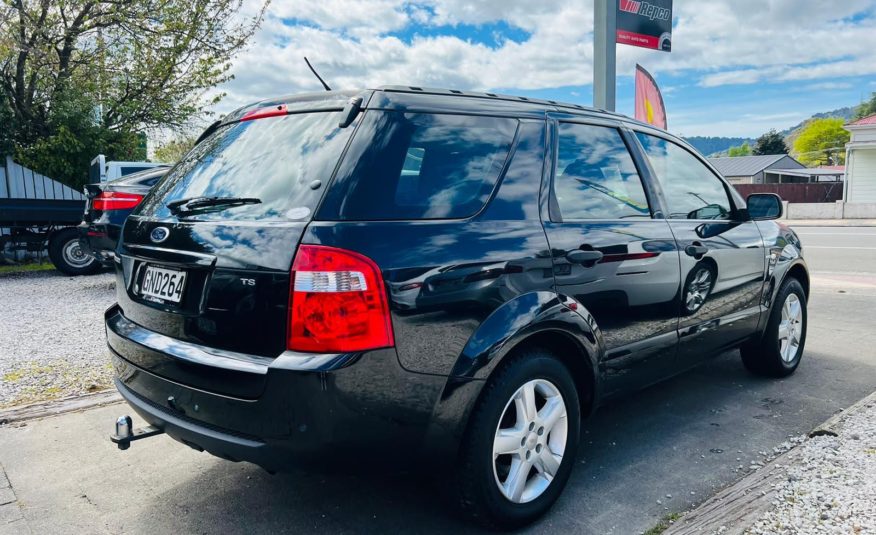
x,y
159,234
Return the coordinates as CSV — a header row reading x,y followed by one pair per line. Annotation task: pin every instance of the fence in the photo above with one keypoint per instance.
x,y
815,192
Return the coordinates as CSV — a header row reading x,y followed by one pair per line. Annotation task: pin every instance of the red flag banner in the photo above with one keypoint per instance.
x,y
649,101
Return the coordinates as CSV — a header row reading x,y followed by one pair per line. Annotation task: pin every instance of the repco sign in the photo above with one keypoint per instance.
x,y
645,9
645,24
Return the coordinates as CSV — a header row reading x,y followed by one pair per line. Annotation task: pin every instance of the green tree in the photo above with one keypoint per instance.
x,y
770,143
867,108
74,139
822,142
742,150
173,150
116,66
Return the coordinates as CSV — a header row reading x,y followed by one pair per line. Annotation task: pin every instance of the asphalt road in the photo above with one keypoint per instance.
x,y
662,450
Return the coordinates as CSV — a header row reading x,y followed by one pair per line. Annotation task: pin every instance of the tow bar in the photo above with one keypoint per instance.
x,y
125,435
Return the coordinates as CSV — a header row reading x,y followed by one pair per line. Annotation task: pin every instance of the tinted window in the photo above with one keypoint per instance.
x,y
692,191
131,170
273,159
596,177
419,166
143,178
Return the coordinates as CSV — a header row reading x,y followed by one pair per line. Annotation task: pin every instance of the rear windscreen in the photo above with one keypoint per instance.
x,y
131,170
274,160
142,178
419,166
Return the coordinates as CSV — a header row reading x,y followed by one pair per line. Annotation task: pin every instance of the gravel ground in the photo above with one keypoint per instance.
x,y
52,341
832,490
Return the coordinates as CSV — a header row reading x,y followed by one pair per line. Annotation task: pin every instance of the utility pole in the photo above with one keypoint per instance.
x,y
604,54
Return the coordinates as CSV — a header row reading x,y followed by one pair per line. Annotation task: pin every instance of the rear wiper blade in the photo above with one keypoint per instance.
x,y
194,203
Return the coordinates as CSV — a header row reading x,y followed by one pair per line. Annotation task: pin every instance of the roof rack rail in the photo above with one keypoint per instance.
x,y
495,96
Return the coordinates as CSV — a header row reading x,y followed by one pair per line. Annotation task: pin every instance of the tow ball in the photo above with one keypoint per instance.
x,y
125,434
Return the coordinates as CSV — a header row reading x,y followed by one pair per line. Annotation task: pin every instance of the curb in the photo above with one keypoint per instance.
x,y
45,409
839,223
832,424
737,507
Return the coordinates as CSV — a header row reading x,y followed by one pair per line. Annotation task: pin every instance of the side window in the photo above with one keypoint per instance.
x,y
691,189
419,166
596,177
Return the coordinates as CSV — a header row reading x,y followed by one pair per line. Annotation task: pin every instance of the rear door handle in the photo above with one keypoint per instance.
x,y
696,250
583,257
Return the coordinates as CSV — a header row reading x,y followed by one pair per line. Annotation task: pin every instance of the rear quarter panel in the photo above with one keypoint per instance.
x,y
444,278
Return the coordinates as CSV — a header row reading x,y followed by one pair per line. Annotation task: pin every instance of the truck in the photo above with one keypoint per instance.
x,y
38,213
104,171
37,224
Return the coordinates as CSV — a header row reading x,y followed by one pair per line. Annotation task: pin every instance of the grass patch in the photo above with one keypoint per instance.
x,y
663,524
23,268
34,382
13,376
32,370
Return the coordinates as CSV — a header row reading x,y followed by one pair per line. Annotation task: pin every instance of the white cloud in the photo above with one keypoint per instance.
x,y
354,16
719,42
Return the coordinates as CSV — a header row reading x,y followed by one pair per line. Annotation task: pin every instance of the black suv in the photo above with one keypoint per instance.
x,y
454,276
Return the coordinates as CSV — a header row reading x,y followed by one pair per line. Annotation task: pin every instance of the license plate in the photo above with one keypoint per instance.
x,y
160,284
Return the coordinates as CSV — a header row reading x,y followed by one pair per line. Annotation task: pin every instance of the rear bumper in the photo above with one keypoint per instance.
x,y
99,241
369,411
190,432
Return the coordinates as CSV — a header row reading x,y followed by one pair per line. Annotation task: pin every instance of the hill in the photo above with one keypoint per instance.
x,y
847,113
713,145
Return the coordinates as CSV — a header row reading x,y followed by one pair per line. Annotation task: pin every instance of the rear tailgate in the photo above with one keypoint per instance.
x,y
218,278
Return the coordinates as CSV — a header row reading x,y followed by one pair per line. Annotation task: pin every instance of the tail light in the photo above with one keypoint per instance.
x,y
114,200
338,302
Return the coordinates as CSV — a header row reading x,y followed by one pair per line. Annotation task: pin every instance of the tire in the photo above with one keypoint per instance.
x,y
68,257
776,354
480,474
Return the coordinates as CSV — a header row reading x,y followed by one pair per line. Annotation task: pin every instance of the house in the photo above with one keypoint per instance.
x,y
833,173
860,179
751,169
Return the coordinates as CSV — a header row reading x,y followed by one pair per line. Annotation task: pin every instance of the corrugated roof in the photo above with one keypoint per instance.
x,y
744,165
814,171
870,119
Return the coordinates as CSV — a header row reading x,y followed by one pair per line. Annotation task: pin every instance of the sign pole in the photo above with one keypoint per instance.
x,y
604,54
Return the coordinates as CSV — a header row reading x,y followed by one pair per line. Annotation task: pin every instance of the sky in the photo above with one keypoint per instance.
x,y
737,67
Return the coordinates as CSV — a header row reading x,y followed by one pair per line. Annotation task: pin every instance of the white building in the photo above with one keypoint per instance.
x,y
860,184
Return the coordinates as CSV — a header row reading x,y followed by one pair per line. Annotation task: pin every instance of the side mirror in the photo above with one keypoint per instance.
x,y
763,206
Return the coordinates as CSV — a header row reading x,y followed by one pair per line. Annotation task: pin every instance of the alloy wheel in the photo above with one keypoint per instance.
x,y
530,441
790,328
74,255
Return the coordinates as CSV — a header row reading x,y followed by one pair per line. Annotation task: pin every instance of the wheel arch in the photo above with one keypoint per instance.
x,y
798,271
537,320
572,354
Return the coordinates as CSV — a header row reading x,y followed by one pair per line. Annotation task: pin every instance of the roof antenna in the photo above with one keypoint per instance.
x,y
318,77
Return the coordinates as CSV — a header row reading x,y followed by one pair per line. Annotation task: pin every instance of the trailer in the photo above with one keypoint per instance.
x,y
38,213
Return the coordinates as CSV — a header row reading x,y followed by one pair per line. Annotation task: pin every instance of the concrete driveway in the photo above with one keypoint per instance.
x,y
660,451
